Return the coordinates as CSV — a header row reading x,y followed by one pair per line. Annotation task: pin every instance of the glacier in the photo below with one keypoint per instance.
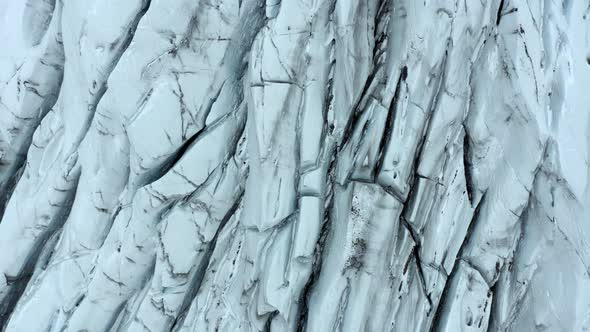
x,y
294,165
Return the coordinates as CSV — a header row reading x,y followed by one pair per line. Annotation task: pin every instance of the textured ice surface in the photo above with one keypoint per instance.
x,y
294,165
